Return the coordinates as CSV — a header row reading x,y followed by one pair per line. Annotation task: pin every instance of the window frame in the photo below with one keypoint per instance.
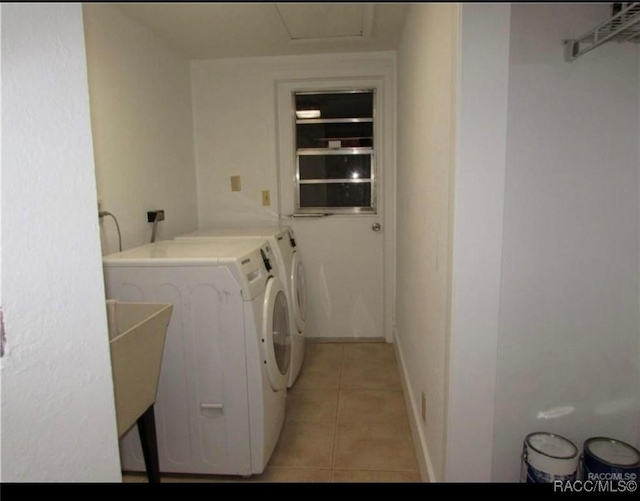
x,y
370,151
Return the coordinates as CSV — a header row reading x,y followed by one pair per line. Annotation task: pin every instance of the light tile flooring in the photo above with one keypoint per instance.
x,y
346,421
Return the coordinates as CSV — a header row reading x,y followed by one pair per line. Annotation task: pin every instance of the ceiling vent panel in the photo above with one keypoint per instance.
x,y
326,22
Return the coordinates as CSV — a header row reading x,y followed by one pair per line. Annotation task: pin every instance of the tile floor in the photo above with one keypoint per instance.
x,y
346,421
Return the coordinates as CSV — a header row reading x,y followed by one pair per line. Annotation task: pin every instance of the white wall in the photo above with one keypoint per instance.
x,y
568,359
235,127
58,415
481,133
234,122
141,113
426,92
1,321
0,183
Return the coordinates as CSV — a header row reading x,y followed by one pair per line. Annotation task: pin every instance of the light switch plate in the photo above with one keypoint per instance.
x,y
235,183
266,198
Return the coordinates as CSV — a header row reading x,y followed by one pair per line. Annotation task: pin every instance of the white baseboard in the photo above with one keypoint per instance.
x,y
413,409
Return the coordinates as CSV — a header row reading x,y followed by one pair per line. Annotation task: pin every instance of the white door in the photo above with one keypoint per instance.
x,y
342,252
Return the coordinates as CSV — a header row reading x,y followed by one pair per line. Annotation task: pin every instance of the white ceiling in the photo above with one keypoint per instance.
x,y
222,30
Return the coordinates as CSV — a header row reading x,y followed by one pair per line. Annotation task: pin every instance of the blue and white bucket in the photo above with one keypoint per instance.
x,y
547,457
606,459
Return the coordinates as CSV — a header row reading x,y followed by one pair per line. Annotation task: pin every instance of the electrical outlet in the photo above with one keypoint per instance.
x,y
266,198
99,205
423,407
235,183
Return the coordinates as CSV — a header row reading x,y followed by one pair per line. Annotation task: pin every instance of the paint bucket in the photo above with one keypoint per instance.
x,y
547,457
609,459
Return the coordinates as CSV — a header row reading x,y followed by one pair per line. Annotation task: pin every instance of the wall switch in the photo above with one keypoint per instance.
x,y
423,407
235,183
266,198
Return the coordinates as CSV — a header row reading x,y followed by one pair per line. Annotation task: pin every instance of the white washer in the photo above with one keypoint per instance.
x,y
282,240
222,389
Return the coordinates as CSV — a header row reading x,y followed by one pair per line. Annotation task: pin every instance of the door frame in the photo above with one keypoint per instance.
x,y
381,76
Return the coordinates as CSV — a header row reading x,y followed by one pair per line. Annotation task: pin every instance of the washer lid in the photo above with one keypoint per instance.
x,y
249,261
183,253
298,292
276,335
264,231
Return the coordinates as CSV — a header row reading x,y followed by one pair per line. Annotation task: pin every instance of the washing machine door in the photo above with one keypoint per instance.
x,y
299,292
276,336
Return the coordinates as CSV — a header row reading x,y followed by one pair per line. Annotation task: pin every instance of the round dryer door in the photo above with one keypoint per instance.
x,y
276,336
299,292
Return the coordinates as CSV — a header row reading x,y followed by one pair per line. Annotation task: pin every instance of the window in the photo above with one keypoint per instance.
x,y
335,154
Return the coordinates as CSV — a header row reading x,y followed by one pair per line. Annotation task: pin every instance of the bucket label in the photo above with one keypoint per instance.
x,y
534,476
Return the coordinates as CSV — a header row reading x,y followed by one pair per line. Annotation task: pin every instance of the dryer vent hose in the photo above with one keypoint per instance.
x,y
155,217
154,230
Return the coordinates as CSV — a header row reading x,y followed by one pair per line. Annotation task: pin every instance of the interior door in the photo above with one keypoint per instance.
x,y
332,170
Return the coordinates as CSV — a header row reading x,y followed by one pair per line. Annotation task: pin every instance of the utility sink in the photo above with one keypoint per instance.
x,y
136,339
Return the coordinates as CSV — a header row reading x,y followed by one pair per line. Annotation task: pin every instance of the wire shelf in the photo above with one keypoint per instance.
x,y
623,26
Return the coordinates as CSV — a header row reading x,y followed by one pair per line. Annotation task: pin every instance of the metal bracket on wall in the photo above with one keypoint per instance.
x,y
623,26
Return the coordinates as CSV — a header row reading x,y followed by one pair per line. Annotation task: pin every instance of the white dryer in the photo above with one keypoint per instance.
x,y
283,242
222,389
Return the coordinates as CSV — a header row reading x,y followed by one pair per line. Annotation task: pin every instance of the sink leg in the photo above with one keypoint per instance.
x,y
147,430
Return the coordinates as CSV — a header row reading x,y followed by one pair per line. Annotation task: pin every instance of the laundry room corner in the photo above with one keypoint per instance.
x,y
142,125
